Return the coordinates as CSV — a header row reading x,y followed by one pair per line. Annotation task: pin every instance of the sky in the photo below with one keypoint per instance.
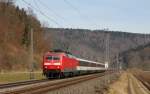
x,y
117,15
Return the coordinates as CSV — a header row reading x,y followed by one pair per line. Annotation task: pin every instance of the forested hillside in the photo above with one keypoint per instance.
x,y
15,27
138,57
91,44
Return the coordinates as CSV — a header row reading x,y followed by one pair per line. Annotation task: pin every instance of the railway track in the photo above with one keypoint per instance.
x,y
50,85
15,84
146,84
136,86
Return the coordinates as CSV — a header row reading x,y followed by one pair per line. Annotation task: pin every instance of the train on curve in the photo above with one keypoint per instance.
x,y
60,64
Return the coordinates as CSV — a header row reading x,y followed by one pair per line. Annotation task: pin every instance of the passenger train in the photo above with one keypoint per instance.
x,y
60,64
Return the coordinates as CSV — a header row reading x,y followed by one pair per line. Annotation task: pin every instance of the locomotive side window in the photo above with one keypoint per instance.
x,y
49,58
56,58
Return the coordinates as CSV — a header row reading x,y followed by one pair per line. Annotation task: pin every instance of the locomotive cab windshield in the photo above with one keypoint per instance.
x,y
52,60
52,57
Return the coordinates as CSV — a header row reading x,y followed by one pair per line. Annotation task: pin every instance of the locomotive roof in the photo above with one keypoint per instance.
x,y
60,51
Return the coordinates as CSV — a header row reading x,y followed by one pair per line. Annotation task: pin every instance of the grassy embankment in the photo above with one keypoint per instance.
x,y
18,76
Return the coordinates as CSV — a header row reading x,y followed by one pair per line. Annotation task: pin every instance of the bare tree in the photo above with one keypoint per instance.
x,y
8,2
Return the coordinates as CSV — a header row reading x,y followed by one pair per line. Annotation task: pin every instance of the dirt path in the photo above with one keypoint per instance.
x,y
121,86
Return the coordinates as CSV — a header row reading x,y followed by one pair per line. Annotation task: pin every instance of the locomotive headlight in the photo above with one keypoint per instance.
x,y
45,67
58,67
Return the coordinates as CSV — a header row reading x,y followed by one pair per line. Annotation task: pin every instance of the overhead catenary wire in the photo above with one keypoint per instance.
x,y
75,8
72,6
52,11
84,17
43,14
43,4
36,4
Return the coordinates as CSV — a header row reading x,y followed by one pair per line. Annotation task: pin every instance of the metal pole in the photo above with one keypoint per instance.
x,y
31,56
107,49
117,63
107,58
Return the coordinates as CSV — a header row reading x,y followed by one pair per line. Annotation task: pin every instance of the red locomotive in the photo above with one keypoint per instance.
x,y
60,64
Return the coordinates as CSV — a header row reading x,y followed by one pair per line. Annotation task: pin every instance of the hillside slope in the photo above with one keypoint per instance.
x,y
15,26
138,57
91,44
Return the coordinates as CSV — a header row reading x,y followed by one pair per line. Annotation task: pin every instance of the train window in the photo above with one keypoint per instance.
x,y
90,64
83,63
49,58
93,64
98,65
56,58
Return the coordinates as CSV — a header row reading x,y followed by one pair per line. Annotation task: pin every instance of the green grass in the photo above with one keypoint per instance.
x,y
18,76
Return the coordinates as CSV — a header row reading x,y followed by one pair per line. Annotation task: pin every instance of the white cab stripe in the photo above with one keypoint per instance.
x,y
51,63
47,64
56,63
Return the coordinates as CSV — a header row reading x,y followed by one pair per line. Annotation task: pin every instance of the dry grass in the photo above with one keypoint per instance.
x,y
120,86
145,75
18,76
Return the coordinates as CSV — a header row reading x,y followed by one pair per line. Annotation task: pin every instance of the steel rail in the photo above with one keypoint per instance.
x,y
145,83
136,85
15,84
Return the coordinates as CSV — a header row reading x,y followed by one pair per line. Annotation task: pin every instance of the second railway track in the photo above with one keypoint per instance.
x,y
137,85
